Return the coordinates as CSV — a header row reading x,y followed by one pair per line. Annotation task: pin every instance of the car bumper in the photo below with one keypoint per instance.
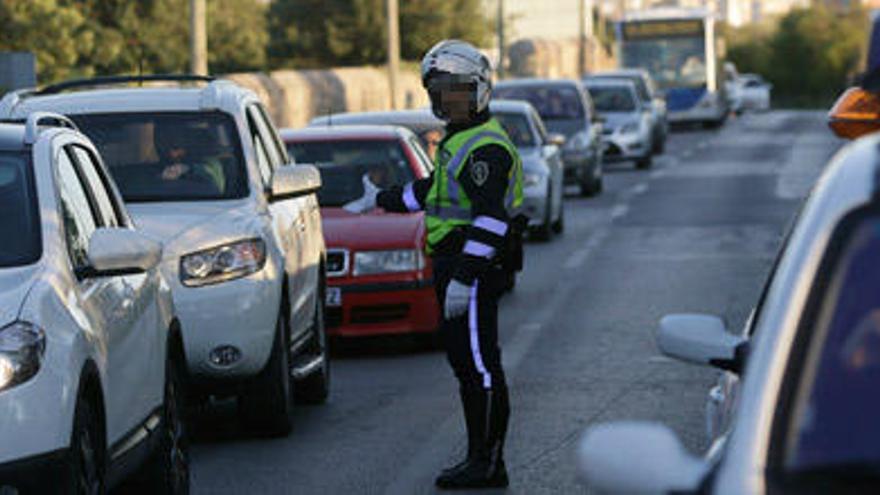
x,y
621,147
41,473
534,206
239,314
383,308
696,114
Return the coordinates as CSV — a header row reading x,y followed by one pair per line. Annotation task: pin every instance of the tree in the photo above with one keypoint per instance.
x,y
53,33
237,36
315,33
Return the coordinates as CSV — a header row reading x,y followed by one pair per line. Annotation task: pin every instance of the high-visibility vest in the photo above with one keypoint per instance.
x,y
447,205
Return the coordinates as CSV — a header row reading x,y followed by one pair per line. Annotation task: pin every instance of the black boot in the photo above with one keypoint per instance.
x,y
487,413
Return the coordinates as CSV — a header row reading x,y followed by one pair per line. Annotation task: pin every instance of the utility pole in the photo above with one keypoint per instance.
x,y
198,38
582,39
393,50
501,41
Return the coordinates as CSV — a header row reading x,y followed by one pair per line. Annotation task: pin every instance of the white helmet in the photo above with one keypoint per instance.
x,y
465,63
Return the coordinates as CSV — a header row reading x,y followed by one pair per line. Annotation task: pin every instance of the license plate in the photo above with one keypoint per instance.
x,y
334,296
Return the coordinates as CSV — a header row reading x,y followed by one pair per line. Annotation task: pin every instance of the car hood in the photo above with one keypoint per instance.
x,y
374,230
532,160
614,120
566,127
186,227
15,283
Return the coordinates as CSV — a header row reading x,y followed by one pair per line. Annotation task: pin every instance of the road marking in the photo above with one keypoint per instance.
x,y
661,359
577,258
619,211
687,153
529,327
640,188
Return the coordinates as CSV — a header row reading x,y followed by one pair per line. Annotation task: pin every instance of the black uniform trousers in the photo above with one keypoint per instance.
x,y
471,344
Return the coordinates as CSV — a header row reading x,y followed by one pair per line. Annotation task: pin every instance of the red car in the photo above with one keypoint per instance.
x,y
379,279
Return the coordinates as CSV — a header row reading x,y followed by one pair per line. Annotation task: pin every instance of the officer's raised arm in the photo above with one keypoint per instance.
x,y
407,198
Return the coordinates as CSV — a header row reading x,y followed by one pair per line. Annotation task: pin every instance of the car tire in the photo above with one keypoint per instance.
x,y
559,224
645,162
315,388
266,405
168,470
86,466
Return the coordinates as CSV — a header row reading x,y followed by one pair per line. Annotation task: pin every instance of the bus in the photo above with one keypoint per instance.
x,y
679,47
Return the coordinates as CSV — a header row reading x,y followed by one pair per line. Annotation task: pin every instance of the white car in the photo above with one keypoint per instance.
x,y
805,417
753,93
628,132
90,350
202,169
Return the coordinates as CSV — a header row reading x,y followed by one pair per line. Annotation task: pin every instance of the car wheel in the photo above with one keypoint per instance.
x,y
86,468
559,224
645,163
168,470
315,387
266,405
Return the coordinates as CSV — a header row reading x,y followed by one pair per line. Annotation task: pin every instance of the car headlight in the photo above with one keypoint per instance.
x,y
392,261
629,128
578,142
22,346
222,263
533,179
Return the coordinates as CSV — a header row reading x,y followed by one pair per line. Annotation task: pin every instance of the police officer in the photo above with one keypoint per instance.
x,y
469,202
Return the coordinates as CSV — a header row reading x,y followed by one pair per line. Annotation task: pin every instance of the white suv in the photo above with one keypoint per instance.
x,y
202,169
90,352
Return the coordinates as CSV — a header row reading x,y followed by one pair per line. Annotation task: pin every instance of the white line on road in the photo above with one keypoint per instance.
x,y
576,258
619,211
661,359
640,188
687,153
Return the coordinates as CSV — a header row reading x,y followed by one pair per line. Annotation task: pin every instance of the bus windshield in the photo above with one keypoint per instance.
x,y
673,62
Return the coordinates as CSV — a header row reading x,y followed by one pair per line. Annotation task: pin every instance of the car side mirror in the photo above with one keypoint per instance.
x,y
120,251
292,181
556,139
701,339
637,457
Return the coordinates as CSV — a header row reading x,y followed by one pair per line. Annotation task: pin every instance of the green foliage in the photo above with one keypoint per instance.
x,y
98,37
809,55
327,33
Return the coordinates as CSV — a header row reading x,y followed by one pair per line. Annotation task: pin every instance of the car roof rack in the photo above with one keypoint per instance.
x,y
108,80
32,125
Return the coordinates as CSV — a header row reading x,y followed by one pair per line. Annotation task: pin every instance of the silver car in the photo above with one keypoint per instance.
x,y
628,133
804,418
542,163
649,95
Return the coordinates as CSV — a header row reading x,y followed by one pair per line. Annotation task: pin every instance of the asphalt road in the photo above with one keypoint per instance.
x,y
697,233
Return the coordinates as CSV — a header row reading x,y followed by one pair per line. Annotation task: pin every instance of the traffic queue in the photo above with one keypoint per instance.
x,y
188,241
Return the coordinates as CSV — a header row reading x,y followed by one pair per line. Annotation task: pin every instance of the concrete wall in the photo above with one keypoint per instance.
x,y
294,97
536,57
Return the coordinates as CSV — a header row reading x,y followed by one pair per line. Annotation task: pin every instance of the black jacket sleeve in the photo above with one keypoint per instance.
x,y
403,199
484,179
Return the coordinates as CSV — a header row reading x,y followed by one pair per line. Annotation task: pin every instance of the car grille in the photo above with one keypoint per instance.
x,y
337,262
332,317
612,150
379,314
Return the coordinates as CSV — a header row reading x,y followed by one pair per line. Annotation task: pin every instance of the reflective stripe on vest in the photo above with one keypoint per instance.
x,y
447,206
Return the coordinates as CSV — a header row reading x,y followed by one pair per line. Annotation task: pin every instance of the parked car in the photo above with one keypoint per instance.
x,y
202,169
648,95
804,420
566,109
753,93
91,356
542,166
379,280
627,133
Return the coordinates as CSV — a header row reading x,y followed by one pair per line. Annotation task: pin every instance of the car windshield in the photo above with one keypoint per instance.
x,y
19,215
834,420
638,81
612,99
552,102
344,163
517,127
181,156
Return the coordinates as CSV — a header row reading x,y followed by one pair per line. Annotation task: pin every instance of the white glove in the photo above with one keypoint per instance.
x,y
366,202
458,296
